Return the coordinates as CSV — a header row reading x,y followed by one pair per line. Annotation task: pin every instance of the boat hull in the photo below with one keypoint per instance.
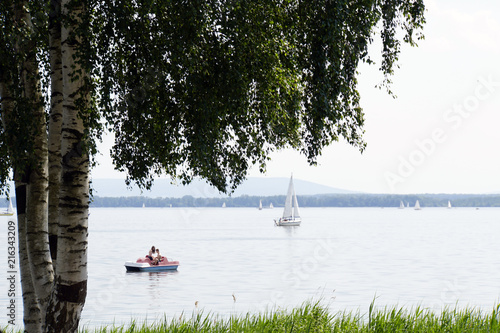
x,y
145,265
288,223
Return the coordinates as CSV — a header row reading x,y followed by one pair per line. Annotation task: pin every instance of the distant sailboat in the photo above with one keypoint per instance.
x,y
449,204
223,205
417,205
9,211
260,204
401,205
291,215
271,205
143,205
407,205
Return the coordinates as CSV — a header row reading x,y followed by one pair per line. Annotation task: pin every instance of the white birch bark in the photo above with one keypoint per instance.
x,y
55,122
33,225
31,307
32,315
70,288
37,240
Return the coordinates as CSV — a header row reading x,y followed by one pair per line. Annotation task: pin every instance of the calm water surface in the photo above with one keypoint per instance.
x,y
234,260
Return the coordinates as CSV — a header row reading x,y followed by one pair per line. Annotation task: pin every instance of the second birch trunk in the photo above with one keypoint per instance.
x,y
70,290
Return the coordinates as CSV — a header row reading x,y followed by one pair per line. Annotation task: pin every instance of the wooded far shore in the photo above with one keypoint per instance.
x,y
324,200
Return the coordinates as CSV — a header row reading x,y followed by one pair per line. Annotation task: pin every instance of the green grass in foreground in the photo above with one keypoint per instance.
x,y
313,317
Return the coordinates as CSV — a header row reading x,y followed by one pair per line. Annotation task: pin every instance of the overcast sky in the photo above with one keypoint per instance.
x,y
440,135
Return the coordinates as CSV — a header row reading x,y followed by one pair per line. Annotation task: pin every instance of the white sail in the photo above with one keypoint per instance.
x,y
401,205
271,205
296,213
10,210
260,204
289,211
449,204
417,205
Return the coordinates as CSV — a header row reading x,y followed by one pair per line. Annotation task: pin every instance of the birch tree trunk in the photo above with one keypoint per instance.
x,y
31,306
32,312
70,289
37,240
55,122
34,186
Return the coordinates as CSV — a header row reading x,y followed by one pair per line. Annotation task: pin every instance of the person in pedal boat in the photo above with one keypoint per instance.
x,y
152,253
157,258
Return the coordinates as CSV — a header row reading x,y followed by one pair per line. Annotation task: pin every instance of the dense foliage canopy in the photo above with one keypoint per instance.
x,y
208,87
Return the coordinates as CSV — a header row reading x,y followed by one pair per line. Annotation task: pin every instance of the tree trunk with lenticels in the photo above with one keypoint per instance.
x,y
70,289
35,179
55,122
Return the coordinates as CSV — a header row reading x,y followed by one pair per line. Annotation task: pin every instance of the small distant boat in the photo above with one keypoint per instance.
x,y
260,204
291,215
271,205
223,205
417,205
145,265
401,205
143,205
9,211
407,205
449,204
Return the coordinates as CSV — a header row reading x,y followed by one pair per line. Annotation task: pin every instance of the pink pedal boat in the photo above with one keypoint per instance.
x,y
145,265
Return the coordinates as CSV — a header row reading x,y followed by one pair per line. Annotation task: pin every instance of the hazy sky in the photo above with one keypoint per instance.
x,y
441,133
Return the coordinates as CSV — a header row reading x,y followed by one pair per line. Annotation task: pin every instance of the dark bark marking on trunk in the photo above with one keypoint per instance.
x,y
77,151
75,293
77,229
53,246
21,199
68,176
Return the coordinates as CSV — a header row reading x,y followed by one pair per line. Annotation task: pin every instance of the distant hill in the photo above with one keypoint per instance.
x,y
254,186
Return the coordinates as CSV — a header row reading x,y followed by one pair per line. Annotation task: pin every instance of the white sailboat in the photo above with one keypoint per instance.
x,y
417,205
449,204
291,214
401,205
271,205
260,204
9,211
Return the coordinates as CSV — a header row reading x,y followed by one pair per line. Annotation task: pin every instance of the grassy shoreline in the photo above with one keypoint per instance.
x,y
314,317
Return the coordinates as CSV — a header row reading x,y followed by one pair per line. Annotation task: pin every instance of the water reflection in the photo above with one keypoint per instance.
x,y
161,275
290,230
154,274
157,284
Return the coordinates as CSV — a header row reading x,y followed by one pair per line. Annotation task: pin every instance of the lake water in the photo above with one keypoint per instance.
x,y
434,258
